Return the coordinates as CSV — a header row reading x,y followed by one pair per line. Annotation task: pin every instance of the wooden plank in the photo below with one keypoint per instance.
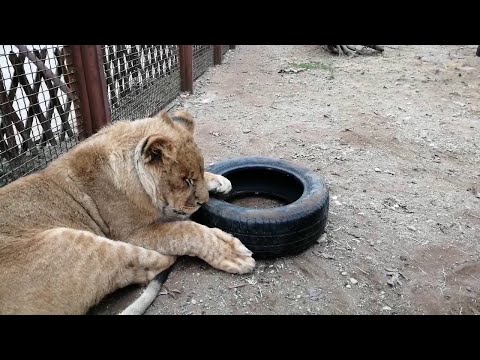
x,y
18,63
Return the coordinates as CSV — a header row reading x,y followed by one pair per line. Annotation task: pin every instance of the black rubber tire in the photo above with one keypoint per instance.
x,y
269,232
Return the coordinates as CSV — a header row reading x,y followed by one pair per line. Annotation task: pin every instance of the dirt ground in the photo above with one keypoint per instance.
x,y
396,135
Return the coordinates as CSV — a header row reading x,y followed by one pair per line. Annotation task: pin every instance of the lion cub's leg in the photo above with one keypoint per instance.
x,y
217,183
216,247
66,271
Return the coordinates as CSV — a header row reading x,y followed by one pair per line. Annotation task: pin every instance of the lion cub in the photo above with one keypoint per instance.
x,y
111,212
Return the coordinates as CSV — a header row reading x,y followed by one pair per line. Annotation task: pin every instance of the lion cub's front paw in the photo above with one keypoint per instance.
x,y
220,184
232,255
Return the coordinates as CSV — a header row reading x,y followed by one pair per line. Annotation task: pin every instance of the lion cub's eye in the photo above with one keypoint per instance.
x,y
189,182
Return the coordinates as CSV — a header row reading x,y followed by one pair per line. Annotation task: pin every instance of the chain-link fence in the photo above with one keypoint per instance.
x,y
37,112
141,78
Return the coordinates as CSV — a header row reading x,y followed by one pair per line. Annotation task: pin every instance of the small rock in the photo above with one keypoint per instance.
x,y
348,286
344,273
377,170
476,191
322,239
193,301
469,288
403,258
314,294
412,228
246,131
353,281
328,256
386,308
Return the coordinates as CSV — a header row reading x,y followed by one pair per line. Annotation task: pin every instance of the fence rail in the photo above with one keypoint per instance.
x,y
53,96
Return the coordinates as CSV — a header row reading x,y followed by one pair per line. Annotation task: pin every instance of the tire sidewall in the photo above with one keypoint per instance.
x,y
315,194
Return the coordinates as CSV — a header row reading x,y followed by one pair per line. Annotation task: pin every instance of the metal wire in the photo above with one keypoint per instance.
x,y
141,79
38,120
202,59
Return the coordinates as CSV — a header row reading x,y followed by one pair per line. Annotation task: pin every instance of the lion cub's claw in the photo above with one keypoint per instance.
x,y
235,257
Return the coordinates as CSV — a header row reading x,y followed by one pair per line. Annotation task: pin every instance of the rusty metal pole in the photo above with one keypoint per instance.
x,y
232,47
217,54
185,53
96,86
80,104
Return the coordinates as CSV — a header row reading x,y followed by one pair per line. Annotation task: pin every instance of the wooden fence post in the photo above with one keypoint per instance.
x,y
91,88
96,85
80,104
217,54
185,53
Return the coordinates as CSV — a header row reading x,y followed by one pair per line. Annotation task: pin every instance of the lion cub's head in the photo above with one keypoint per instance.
x,y
170,166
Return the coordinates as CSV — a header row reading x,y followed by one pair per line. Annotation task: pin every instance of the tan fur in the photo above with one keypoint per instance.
x,y
129,183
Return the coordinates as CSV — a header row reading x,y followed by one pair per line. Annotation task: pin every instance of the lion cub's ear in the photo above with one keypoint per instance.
x,y
185,119
181,118
159,148
165,118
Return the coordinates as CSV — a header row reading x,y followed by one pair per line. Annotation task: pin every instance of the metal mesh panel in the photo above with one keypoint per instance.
x,y
202,59
141,79
37,113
